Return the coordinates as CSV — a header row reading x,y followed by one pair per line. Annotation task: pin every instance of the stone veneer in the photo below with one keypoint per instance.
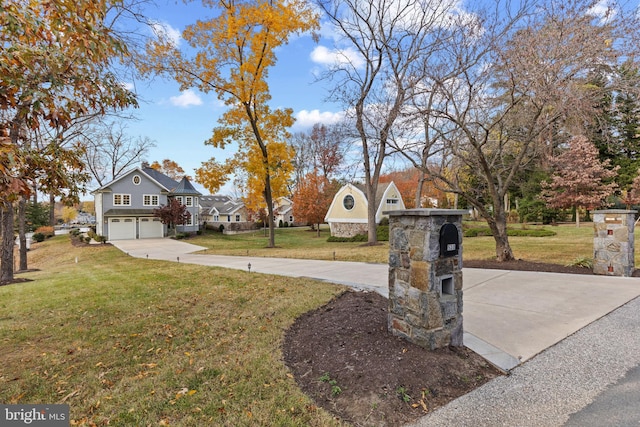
x,y
348,229
613,242
425,288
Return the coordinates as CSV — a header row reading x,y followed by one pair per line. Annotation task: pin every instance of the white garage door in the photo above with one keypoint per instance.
x,y
122,228
151,228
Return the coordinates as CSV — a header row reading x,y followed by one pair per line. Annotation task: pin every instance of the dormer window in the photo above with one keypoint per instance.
x,y
136,179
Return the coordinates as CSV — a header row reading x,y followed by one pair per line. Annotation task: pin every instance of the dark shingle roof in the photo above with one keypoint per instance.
x,y
185,187
163,179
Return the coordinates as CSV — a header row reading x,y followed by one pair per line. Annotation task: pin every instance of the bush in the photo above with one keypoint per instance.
x,y
38,237
47,231
100,239
221,228
87,239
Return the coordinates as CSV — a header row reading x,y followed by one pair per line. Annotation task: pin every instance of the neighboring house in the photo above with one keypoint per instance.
x,y
124,207
226,211
283,211
84,218
347,215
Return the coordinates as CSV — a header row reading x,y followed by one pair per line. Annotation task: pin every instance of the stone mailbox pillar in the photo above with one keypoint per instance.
x,y
425,276
613,242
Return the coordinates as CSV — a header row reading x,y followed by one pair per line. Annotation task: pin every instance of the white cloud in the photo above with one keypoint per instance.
x,y
604,10
165,31
306,119
186,99
128,86
323,55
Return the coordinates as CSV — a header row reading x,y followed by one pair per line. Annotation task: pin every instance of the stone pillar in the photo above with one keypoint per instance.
x,y
613,242
425,276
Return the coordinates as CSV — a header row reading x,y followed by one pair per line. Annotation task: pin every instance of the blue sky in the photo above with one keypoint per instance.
x,y
180,122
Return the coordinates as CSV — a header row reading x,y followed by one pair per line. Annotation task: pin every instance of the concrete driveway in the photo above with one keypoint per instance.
x,y
509,316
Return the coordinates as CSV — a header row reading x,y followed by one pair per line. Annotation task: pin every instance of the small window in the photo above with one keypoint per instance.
x,y
122,199
290,218
392,201
188,201
237,218
216,218
348,202
150,200
179,199
136,179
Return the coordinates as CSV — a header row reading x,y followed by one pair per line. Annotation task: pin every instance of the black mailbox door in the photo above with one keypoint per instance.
x,y
449,244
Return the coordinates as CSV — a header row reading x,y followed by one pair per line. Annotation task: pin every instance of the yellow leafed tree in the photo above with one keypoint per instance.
x,y
234,52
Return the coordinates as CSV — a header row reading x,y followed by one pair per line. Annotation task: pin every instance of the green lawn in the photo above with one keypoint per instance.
x,y
128,341
569,243
133,342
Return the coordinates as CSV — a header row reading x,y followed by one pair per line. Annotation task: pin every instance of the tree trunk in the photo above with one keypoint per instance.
x,y
269,201
372,235
577,217
22,213
6,259
498,226
418,202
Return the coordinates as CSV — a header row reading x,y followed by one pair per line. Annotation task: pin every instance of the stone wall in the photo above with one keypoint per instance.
x,y
425,287
348,229
613,242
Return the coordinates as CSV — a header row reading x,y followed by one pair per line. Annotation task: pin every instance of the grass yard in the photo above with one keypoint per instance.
x,y
569,244
129,341
292,242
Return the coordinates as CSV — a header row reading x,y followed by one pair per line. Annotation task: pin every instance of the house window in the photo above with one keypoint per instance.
x,y
179,199
216,218
237,218
290,219
122,200
392,201
348,202
136,179
150,200
228,218
188,201
189,220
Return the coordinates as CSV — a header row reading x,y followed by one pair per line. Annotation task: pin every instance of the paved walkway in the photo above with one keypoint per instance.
x,y
509,316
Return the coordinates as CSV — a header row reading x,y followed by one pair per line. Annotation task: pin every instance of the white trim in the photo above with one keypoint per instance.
x,y
352,220
151,196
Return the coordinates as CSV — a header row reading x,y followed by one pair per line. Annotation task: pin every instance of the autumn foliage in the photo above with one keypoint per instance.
x,y
312,199
579,178
173,213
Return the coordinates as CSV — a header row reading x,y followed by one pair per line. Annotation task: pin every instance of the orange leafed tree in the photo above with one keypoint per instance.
x,y
170,168
312,199
56,65
234,52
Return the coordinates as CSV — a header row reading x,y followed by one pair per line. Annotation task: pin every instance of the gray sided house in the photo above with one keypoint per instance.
x,y
124,207
225,211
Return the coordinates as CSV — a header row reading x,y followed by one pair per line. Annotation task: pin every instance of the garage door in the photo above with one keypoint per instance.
x,y
151,228
122,228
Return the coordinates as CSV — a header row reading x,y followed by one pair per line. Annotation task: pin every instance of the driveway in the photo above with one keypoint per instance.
x,y
509,316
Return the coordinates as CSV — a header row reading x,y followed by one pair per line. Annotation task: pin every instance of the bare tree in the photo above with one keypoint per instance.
x,y
389,39
110,150
507,92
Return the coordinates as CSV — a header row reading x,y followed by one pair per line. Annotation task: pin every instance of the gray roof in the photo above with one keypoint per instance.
x,y
163,179
225,205
185,187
